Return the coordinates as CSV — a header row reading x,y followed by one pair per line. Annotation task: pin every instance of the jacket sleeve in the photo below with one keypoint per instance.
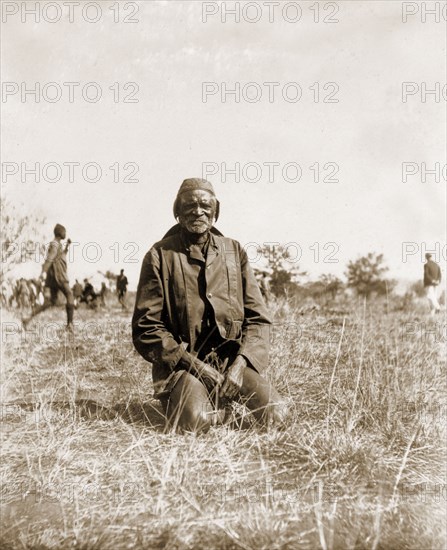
x,y
151,338
256,326
51,256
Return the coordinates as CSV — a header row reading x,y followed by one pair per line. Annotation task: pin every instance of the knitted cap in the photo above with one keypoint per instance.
x,y
194,184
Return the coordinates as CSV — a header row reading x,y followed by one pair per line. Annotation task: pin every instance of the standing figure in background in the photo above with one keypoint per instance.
x,y
77,292
121,288
432,278
54,273
102,294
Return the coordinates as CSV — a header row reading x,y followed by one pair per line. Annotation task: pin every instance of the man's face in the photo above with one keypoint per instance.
x,y
197,211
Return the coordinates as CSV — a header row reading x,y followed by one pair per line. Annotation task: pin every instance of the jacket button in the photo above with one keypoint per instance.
x,y
210,295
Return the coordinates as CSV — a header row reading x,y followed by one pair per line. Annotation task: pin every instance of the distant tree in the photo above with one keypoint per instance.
x,y
325,289
367,275
332,284
22,237
281,282
315,290
284,272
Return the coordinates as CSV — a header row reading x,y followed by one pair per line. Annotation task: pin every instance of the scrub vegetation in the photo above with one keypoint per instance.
x,y
88,464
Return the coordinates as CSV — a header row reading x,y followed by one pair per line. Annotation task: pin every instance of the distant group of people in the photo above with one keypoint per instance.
x,y
30,293
22,293
54,279
87,294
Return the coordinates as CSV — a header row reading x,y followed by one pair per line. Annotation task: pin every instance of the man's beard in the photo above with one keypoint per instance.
x,y
198,226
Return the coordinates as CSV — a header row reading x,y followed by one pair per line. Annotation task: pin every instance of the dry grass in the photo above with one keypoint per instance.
x,y
87,463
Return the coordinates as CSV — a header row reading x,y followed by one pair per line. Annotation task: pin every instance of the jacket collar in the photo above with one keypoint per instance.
x,y
195,252
186,244
175,230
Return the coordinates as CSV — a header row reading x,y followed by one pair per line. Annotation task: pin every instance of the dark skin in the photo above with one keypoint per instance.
x,y
197,211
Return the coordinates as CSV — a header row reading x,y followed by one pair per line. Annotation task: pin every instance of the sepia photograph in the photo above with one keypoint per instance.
x,y
223,275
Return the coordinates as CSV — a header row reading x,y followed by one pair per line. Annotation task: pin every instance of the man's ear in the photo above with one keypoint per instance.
x,y
177,207
216,215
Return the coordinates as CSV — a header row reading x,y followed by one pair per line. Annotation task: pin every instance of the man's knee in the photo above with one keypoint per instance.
x,y
273,413
189,419
262,399
195,421
188,407
256,388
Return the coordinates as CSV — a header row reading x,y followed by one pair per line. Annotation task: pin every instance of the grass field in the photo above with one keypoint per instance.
x,y
87,462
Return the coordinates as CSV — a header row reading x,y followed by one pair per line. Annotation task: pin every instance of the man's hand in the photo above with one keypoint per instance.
x,y
208,374
43,276
234,378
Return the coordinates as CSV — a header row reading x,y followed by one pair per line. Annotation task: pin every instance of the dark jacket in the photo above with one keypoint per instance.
x,y
121,283
432,273
177,285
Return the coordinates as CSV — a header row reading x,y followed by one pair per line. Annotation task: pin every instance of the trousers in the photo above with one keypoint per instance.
x,y
191,407
433,298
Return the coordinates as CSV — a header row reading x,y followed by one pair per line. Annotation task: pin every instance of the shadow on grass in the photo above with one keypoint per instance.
x,y
147,413
133,412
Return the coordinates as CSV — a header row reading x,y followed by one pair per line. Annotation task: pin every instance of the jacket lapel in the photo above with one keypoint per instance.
x,y
213,251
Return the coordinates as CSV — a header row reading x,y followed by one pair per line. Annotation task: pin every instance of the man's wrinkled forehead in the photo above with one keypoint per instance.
x,y
197,196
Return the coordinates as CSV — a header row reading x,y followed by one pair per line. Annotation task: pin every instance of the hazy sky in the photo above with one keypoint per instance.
x,y
170,132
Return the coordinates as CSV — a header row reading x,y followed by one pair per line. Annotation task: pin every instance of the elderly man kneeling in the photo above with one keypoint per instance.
x,y
201,321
